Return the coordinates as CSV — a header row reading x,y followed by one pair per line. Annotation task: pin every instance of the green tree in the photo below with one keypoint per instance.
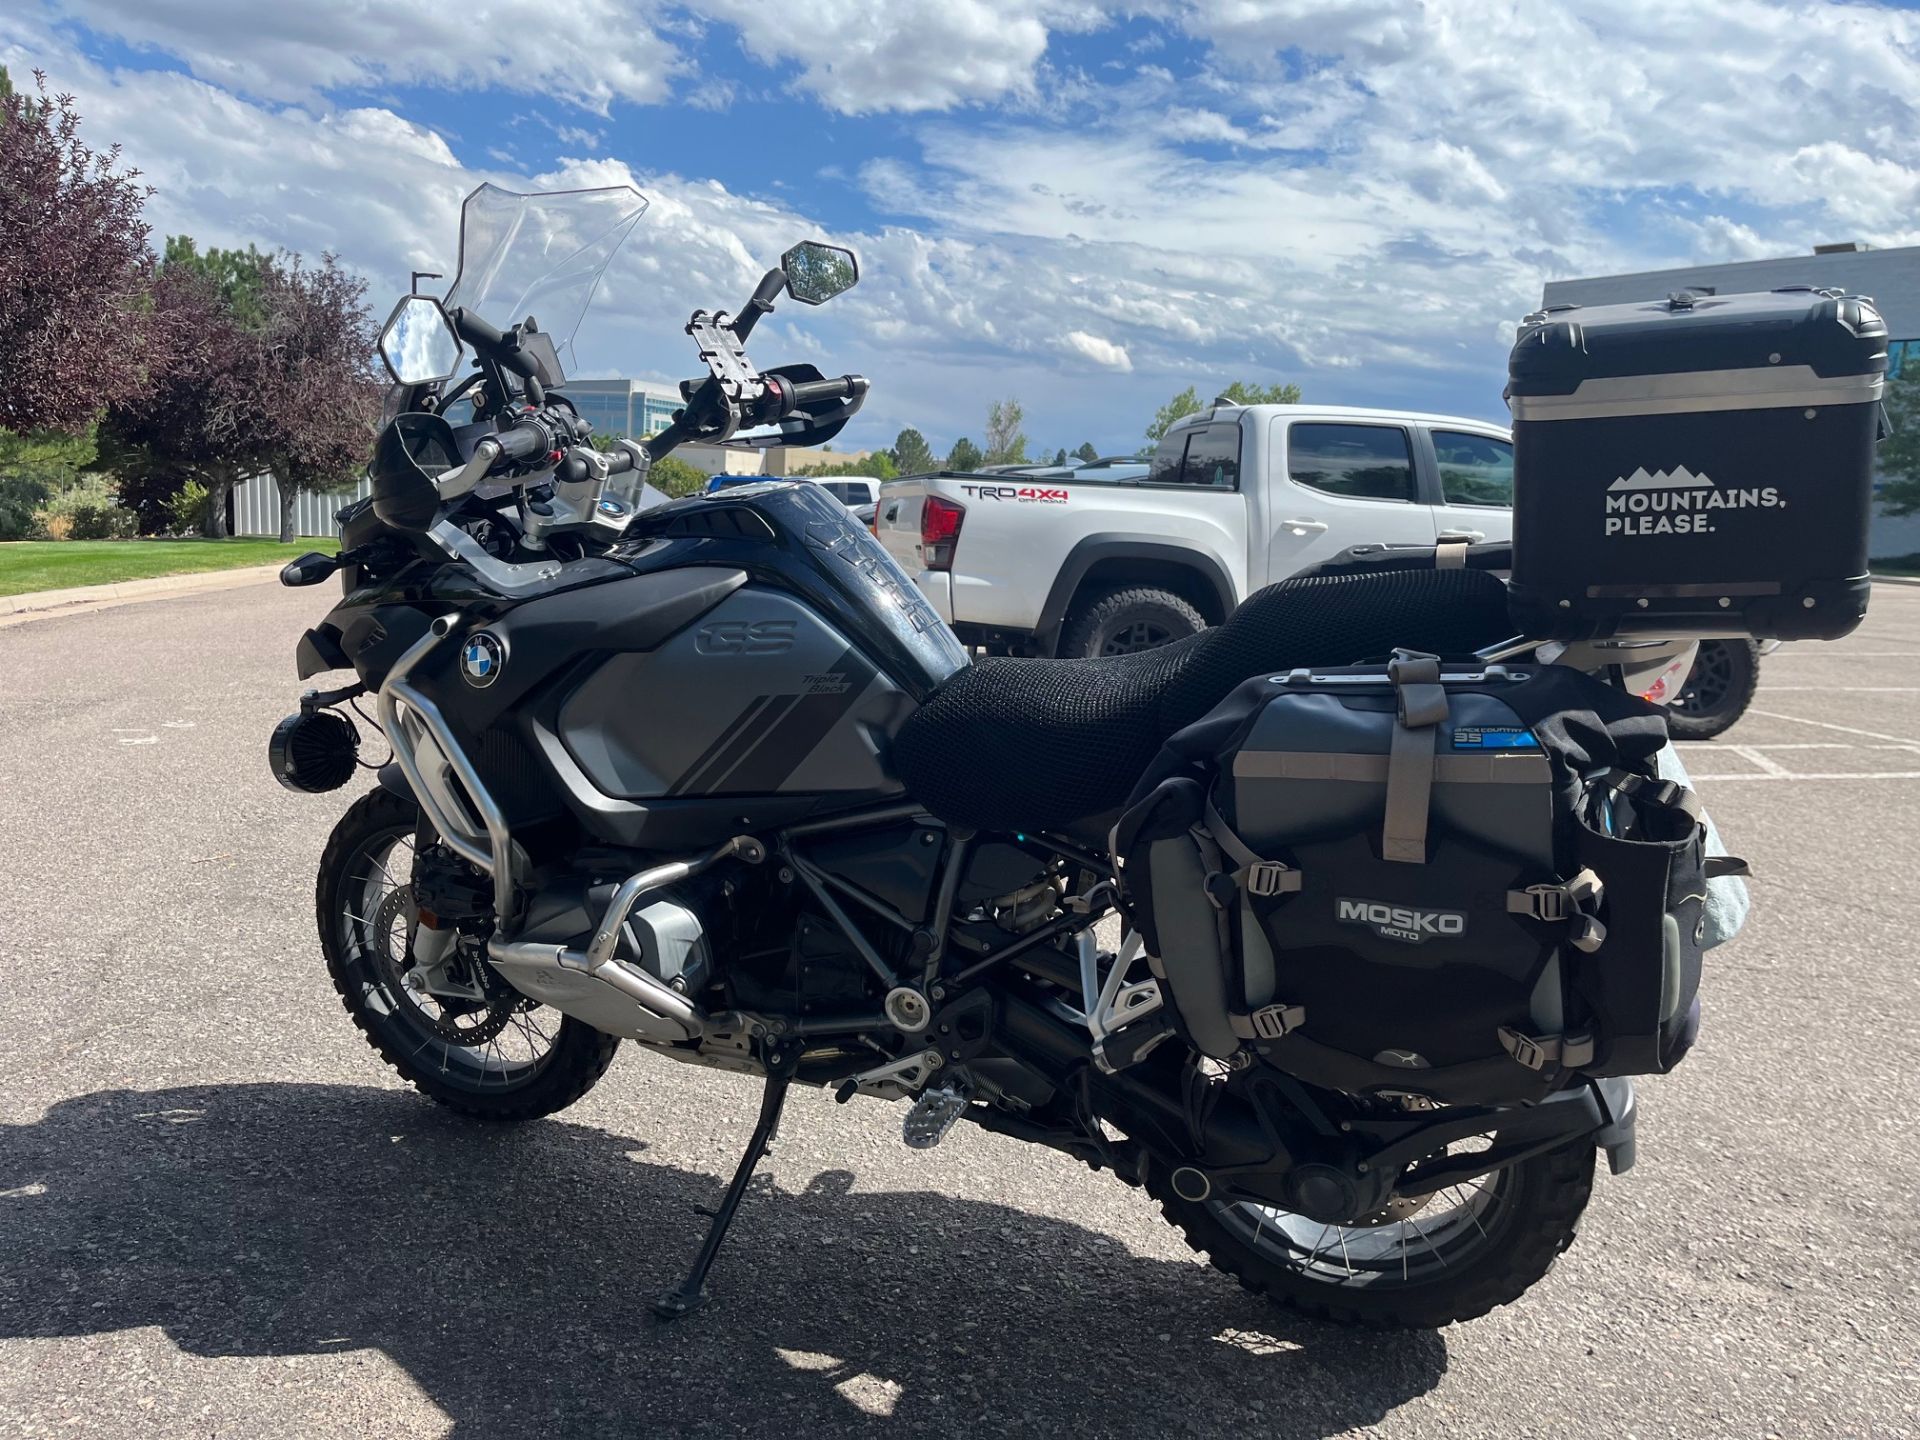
x,y
1087,453
1060,456
677,478
877,466
1899,455
1187,402
965,455
911,454
1006,443
238,277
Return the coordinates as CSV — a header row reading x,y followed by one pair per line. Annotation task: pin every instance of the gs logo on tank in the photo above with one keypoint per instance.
x,y
746,637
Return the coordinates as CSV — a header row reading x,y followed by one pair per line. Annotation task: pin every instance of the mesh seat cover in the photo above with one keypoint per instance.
x,y
1040,744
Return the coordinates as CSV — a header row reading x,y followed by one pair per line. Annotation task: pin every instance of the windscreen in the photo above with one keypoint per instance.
x,y
540,255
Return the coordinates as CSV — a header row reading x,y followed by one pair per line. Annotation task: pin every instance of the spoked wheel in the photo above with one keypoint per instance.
x,y
453,1028
1717,690
1418,1262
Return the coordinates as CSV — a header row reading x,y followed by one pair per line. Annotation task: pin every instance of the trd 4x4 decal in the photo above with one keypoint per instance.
x,y
1024,494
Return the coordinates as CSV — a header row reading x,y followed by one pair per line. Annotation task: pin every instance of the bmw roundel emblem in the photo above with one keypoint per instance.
x,y
482,658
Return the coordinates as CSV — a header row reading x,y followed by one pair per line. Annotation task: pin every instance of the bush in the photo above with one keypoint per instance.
x,y
676,477
89,520
185,509
20,500
88,509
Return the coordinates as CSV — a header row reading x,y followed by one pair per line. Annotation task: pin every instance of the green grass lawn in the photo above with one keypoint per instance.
x,y
1901,565
55,564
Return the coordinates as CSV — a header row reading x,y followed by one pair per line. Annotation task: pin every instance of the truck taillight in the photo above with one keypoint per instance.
x,y
940,532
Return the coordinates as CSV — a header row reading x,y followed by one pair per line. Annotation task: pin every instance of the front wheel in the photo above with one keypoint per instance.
x,y
1417,1264
493,1054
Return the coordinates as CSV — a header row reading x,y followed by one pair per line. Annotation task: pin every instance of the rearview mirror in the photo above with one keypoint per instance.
x,y
418,342
816,273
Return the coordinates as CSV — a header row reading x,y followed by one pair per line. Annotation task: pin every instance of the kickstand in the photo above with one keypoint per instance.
x,y
692,1292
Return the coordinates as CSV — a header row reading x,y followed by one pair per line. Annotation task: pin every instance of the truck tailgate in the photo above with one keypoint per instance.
x,y
896,524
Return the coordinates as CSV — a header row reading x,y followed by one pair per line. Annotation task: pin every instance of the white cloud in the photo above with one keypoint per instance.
x,y
1101,352
1359,196
859,56
589,52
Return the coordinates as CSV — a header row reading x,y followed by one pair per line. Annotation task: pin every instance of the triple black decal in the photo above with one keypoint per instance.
x,y
803,725
745,731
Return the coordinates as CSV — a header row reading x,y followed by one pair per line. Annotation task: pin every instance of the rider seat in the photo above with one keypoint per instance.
x,y
1037,745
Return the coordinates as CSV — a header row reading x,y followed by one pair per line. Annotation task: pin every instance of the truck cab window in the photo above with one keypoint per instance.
x,y
1361,462
1207,455
1474,469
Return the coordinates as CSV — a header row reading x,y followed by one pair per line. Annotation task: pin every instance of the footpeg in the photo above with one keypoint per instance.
x,y
935,1112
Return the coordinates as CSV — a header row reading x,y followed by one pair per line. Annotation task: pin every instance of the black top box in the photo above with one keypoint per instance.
x,y
1698,465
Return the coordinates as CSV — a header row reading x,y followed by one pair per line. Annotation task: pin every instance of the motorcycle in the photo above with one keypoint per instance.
x,y
712,777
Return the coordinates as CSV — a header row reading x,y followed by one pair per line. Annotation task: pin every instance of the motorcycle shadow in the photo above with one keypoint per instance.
x,y
509,1273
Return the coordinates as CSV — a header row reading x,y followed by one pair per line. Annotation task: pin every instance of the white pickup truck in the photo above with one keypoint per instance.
x,y
1237,497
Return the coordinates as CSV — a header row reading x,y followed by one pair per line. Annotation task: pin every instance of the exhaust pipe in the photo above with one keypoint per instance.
x,y
596,986
613,996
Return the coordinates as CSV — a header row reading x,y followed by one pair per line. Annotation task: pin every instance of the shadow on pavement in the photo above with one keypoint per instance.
x,y
508,1272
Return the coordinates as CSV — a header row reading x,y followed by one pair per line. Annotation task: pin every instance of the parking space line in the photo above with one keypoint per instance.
x,y
1817,775
1901,740
1752,754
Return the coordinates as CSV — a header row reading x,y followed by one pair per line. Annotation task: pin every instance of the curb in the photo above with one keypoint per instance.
x,y
1896,579
127,592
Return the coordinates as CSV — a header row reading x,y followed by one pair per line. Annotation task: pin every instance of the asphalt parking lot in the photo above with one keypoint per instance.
x,y
221,1215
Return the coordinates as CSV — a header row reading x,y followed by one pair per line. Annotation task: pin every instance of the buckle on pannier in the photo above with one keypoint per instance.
x,y
1270,877
1556,902
1570,1051
1270,1022
1265,878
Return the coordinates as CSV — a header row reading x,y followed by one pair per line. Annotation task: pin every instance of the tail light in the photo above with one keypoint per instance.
x,y
940,531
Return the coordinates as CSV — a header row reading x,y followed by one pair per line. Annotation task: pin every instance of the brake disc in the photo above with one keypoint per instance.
x,y
460,1022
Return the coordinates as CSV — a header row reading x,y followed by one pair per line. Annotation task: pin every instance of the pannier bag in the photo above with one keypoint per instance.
x,y
1465,881
1701,464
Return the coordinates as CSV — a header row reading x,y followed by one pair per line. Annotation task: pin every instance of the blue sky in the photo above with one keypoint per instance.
x,y
1087,206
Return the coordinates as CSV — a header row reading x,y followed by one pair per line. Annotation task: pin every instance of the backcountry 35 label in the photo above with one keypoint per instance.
x,y
1678,502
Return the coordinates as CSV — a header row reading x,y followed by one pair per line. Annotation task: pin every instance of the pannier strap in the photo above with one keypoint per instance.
x,y
1269,1022
1567,1051
1421,703
1573,901
1660,792
1254,875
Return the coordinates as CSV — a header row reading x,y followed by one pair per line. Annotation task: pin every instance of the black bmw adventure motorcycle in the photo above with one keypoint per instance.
x,y
710,775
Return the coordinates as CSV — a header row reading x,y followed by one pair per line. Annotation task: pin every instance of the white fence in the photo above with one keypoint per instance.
x,y
256,508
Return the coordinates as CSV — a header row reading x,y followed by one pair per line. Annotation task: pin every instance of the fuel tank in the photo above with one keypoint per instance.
x,y
761,697
747,669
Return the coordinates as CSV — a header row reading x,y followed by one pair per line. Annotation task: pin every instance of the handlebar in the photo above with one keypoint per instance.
x,y
491,341
809,392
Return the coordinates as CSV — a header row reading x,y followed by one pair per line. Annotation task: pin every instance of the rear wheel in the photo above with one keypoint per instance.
x,y
1717,690
1416,1264
1121,622
488,1052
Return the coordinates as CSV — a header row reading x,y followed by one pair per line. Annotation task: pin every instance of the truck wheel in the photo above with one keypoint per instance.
x,y
1717,690
1120,622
